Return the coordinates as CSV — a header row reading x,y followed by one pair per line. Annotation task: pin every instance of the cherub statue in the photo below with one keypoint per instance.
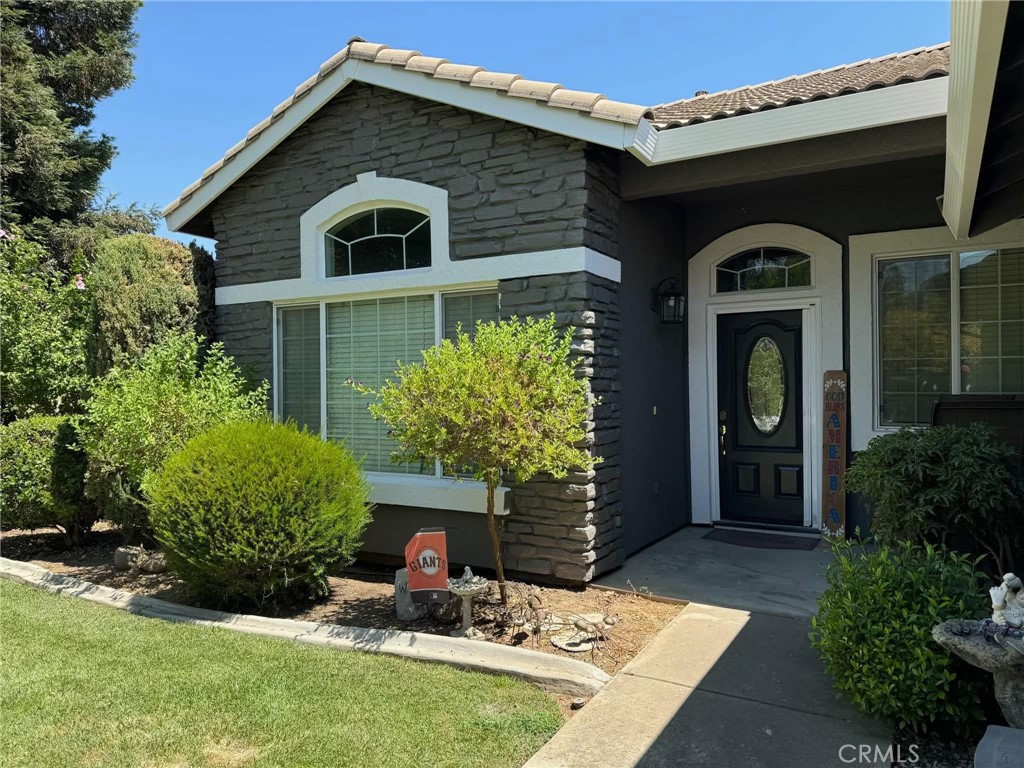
x,y
1008,602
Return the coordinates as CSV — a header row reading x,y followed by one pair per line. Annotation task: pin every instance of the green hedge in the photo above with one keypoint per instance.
x,y
42,483
874,626
958,487
254,514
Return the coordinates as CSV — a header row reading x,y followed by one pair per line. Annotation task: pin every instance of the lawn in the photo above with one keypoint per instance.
x,y
86,685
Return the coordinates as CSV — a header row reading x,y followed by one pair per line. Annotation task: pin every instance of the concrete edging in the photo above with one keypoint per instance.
x,y
547,671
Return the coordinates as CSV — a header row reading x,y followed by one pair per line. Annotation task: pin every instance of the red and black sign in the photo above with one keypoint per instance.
x,y
426,558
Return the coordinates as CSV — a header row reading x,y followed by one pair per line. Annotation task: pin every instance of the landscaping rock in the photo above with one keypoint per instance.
x,y
450,612
154,562
405,608
126,558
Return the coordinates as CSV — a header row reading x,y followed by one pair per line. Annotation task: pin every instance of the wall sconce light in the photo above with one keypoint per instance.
x,y
668,301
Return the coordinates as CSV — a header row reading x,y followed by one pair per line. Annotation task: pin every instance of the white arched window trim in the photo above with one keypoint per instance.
x,y
368,192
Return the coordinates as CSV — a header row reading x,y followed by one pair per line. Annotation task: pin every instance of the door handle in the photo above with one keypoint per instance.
x,y
721,439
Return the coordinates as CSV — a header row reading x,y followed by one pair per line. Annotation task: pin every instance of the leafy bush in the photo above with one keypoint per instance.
x,y
506,398
944,485
256,513
43,478
142,290
44,316
874,625
139,416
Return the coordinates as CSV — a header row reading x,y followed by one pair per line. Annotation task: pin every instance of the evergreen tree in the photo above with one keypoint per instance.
x,y
58,58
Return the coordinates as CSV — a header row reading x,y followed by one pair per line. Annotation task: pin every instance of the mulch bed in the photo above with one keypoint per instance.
x,y
363,596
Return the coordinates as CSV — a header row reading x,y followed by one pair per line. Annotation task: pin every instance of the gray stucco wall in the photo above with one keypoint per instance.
x,y
511,188
653,375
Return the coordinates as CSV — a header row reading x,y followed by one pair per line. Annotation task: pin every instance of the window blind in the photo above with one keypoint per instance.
x,y
299,367
366,340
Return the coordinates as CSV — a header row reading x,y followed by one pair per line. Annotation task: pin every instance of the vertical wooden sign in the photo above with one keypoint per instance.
x,y
833,498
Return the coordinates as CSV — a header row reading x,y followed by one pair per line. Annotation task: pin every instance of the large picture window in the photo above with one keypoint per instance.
x,y
364,340
948,323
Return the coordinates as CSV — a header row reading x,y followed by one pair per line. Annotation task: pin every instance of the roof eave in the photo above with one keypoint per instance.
x,y
607,132
974,65
858,111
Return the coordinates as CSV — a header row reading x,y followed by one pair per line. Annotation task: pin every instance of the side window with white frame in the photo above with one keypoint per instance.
x,y
947,323
365,340
298,366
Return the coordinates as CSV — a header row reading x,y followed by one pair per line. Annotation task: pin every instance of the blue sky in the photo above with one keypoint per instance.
x,y
206,72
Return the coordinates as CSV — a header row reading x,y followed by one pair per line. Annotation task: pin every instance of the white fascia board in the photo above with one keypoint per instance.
x,y
975,45
566,122
460,274
841,114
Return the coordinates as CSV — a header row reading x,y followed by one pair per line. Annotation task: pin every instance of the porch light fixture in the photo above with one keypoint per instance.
x,y
668,301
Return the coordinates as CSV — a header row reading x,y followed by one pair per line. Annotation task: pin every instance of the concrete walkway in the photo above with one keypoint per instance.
x,y
784,582
717,687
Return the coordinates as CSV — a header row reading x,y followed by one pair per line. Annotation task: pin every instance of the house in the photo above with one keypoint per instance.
x,y
394,195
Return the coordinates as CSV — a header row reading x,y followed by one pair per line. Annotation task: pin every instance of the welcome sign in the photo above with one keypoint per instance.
x,y
426,558
833,498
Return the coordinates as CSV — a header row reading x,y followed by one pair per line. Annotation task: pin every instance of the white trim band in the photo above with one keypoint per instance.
x,y
435,493
465,273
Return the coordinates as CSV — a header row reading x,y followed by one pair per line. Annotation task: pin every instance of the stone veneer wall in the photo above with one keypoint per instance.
x,y
512,189
247,332
571,529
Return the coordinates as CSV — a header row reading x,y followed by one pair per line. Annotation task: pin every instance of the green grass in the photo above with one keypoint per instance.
x,y
85,685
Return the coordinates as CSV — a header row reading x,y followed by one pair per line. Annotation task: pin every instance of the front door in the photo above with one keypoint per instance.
x,y
760,429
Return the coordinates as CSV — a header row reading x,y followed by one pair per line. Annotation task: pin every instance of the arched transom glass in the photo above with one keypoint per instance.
x,y
380,240
764,268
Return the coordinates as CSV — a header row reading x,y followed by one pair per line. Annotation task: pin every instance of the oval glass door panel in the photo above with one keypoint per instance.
x,y
766,385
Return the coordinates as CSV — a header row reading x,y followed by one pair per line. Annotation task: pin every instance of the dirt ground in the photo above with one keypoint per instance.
x,y
363,596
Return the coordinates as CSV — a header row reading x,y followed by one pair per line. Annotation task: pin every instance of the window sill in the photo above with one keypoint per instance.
x,y
435,493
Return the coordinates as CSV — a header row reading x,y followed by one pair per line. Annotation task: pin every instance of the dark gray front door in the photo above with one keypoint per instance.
x,y
760,429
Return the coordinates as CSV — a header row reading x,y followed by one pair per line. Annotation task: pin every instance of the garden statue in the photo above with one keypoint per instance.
x,y
1008,602
995,645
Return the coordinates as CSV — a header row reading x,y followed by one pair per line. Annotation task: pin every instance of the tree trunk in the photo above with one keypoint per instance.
x,y
492,527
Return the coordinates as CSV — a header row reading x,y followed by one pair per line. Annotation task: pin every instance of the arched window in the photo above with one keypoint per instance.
x,y
764,268
378,240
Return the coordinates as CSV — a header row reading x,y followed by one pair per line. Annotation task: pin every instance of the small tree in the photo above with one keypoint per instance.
x,y
505,399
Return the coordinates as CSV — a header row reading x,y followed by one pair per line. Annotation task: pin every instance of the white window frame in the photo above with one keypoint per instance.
x,y
867,252
436,491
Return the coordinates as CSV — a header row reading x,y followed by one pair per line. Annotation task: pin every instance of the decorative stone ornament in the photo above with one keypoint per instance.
x,y
468,587
995,645
1008,602
405,608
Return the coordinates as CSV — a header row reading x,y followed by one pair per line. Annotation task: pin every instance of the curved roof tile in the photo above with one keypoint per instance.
x,y
897,68
869,74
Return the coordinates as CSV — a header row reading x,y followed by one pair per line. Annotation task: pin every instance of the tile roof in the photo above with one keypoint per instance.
x,y
894,69
550,94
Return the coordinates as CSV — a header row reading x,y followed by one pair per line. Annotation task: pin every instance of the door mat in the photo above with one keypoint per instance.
x,y
760,540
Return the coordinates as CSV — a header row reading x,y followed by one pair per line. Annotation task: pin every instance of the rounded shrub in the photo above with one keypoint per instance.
x,y
255,513
956,487
874,626
43,479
